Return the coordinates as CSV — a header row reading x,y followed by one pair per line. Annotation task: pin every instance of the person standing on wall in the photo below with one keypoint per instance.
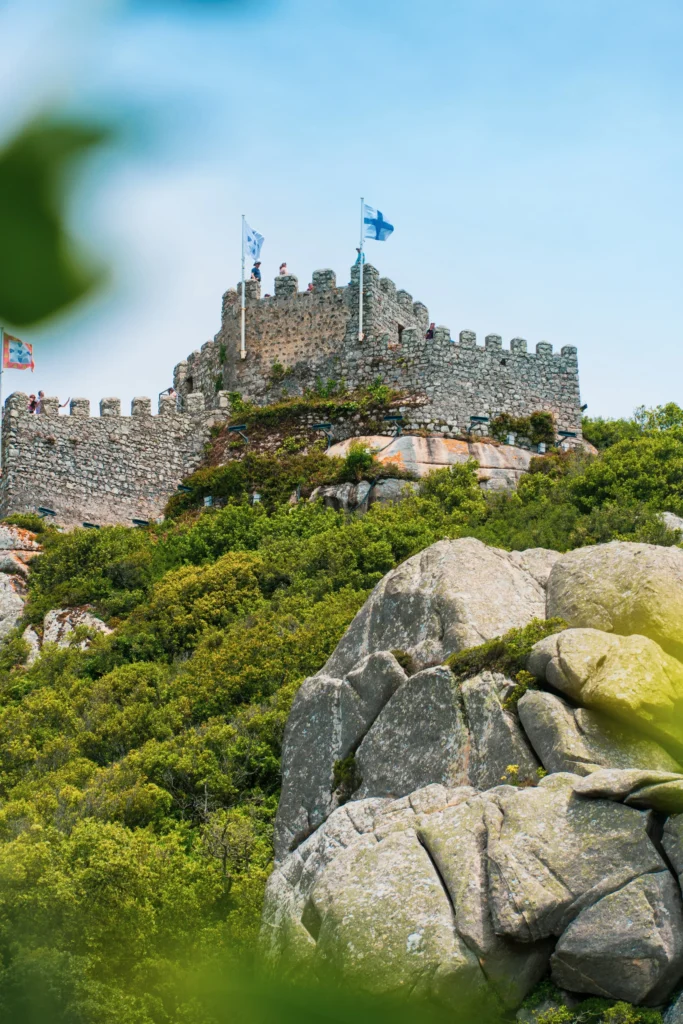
x,y
256,271
283,270
39,404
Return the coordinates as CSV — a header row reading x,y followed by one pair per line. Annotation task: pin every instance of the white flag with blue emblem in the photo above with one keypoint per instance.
x,y
252,242
374,224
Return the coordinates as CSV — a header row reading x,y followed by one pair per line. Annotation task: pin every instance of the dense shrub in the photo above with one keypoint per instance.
x,y
603,433
507,654
537,428
139,778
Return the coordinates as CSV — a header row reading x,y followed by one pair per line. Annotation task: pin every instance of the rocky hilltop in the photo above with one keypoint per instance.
x,y
439,833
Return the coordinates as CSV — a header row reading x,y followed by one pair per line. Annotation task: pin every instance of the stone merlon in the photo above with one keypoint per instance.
x,y
295,339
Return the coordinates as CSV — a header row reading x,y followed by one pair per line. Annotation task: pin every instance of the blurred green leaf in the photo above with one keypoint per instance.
x,y
41,269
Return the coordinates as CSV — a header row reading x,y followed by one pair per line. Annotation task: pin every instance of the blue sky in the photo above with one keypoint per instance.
x,y
528,152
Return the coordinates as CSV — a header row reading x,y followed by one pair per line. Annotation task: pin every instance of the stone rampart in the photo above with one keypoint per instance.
x,y
102,470
297,340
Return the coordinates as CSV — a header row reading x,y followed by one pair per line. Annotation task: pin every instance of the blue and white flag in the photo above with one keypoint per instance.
x,y
252,242
374,224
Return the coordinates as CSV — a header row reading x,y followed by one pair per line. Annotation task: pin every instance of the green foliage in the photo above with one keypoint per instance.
x,y
405,661
111,568
359,462
600,1011
648,472
140,777
276,478
326,389
190,601
278,373
28,521
523,682
455,489
589,1011
346,777
662,417
238,407
273,478
507,654
605,433
291,445
380,392
537,428
329,400
53,988
570,499
41,269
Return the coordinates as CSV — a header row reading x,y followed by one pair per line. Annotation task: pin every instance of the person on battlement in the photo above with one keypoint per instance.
x,y
39,403
360,258
430,331
256,271
283,270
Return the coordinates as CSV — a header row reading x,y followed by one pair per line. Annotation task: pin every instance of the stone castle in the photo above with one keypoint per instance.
x,y
113,469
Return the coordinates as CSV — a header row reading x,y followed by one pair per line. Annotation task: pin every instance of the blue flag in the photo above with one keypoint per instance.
x,y
252,242
374,224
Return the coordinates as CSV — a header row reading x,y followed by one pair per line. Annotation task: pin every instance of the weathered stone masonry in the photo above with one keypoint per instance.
x,y
112,469
106,469
295,339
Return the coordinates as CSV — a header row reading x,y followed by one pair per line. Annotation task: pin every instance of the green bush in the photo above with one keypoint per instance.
x,y
28,521
457,492
158,748
507,654
359,462
111,568
604,433
537,428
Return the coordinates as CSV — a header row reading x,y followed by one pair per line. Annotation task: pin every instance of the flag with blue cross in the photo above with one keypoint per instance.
x,y
374,224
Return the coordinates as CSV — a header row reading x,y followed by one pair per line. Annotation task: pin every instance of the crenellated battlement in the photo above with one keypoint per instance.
x,y
79,408
100,469
112,468
297,339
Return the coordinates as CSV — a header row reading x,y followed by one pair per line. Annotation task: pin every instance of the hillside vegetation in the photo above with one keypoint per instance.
x,y
139,778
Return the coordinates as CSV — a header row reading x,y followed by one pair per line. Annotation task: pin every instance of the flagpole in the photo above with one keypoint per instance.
x,y
243,345
360,275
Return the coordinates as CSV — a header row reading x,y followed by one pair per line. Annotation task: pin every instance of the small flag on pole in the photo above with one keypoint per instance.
x,y
374,224
16,354
252,242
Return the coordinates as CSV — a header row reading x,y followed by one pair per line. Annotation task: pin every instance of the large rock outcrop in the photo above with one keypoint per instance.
x,y
454,594
17,548
433,877
408,733
500,466
622,588
448,888
630,678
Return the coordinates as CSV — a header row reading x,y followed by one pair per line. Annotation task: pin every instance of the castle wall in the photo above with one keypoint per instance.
x,y
295,340
106,469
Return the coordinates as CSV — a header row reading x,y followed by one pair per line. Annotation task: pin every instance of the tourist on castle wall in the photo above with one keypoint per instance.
x,y
430,331
283,270
256,271
32,403
39,404
360,258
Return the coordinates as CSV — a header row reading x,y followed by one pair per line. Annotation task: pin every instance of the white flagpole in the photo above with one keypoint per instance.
x,y
243,345
360,274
